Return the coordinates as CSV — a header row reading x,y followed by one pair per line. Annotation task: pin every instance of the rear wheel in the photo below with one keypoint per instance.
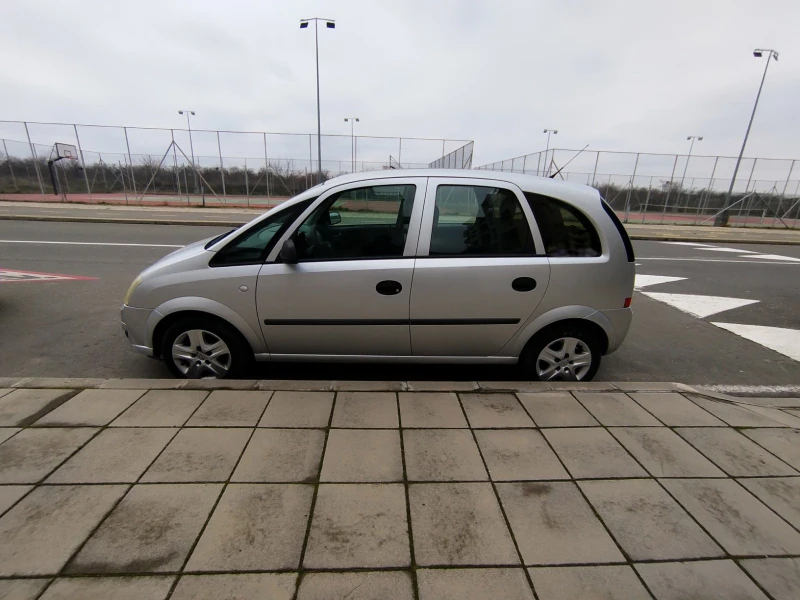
x,y
204,349
562,353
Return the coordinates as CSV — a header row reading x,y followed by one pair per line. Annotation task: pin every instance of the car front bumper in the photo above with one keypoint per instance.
x,y
133,322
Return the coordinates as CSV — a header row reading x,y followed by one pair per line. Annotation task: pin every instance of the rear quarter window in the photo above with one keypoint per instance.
x,y
565,230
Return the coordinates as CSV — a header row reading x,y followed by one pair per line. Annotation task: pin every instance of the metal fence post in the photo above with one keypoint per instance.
x,y
596,160
266,165
175,165
246,183
630,190
221,168
669,189
400,153
780,203
311,160
83,163
704,203
10,168
35,159
524,163
647,199
130,160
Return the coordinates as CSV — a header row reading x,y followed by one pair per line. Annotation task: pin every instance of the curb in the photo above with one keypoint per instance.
x,y
701,239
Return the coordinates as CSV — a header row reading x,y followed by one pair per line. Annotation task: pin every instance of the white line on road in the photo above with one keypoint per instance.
x,y
641,281
785,341
699,306
91,243
718,260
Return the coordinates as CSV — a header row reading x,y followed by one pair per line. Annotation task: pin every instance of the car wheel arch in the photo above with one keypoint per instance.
x,y
581,316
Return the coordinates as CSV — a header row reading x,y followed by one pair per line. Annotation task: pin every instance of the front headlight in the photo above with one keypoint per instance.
x,y
133,286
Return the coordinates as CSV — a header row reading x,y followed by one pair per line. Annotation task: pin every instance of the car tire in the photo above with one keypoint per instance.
x,y
197,348
562,353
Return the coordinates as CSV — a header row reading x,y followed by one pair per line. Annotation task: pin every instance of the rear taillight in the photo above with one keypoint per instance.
x,y
627,303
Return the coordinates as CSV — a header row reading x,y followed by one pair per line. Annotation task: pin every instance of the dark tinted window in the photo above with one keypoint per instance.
x,y
483,221
368,222
253,245
626,240
565,230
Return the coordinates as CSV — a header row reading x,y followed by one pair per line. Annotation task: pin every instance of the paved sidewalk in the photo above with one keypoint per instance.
x,y
371,490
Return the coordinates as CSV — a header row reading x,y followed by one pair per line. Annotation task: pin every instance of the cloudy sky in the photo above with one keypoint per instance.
x,y
618,74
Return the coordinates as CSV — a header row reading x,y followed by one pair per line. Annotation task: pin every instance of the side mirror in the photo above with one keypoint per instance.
x,y
288,253
335,217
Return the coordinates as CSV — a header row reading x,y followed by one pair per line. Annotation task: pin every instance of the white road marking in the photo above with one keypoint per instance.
x,y
90,243
700,306
776,257
734,250
646,280
686,244
717,260
785,341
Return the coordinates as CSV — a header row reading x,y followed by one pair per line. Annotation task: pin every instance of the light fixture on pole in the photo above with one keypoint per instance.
x,y
693,138
547,148
352,121
191,145
722,217
330,24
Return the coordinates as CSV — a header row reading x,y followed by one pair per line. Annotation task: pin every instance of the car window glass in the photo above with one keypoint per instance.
x,y
477,220
252,246
367,222
565,230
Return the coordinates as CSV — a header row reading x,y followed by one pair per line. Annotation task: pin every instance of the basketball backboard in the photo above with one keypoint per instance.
x,y
66,151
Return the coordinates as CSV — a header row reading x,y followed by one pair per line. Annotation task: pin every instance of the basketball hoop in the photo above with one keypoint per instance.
x,y
65,151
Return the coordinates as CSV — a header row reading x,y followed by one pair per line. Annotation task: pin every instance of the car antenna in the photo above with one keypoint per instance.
x,y
553,176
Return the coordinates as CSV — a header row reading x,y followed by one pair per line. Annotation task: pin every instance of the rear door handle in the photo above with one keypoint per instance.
x,y
524,284
389,288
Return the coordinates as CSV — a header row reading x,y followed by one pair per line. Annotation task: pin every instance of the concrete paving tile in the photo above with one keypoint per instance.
x,y
255,527
442,455
423,409
21,589
7,432
295,385
553,524
114,456
369,386
151,530
556,409
247,586
4,391
588,583
518,454
199,455
592,453
676,411
780,494
495,410
706,579
161,408
365,409
733,453
473,584
9,494
298,409
784,417
459,524
43,530
359,585
358,526
90,408
736,519
281,455
647,522
102,588
23,407
616,410
31,454
664,453
444,386
734,415
230,409
779,576
362,455
784,443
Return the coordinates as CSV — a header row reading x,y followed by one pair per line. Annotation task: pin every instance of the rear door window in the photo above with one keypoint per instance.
x,y
565,230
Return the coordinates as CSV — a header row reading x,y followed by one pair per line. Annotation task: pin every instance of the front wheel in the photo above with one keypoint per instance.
x,y
201,349
562,354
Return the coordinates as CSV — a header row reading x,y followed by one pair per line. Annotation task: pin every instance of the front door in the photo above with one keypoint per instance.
x,y
480,271
349,292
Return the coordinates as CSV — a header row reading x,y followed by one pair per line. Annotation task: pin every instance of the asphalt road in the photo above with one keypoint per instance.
x,y
70,328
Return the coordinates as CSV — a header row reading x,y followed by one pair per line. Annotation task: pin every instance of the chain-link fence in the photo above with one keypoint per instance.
x,y
676,188
141,164
460,158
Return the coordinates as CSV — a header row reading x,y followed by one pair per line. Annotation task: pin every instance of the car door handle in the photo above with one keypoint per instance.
x,y
524,284
389,287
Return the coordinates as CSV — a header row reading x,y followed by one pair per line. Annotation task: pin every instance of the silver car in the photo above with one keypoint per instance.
x,y
420,266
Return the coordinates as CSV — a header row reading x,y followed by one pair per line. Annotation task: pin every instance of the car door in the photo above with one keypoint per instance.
x,y
349,292
480,270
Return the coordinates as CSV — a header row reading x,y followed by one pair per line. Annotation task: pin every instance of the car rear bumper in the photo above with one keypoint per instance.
x,y
133,322
615,322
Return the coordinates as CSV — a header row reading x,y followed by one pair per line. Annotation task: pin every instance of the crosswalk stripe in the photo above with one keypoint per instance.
x,y
699,306
784,341
646,280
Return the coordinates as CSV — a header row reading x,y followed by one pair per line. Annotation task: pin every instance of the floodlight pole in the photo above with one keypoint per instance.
x,y
547,148
191,144
353,121
693,138
722,217
330,23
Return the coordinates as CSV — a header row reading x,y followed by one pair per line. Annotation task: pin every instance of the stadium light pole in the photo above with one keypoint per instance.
x,y
330,24
547,148
722,217
353,121
693,138
191,144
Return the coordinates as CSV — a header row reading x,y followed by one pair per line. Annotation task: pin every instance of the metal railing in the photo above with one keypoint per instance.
x,y
646,187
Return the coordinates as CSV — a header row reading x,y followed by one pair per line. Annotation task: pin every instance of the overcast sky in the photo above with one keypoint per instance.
x,y
621,75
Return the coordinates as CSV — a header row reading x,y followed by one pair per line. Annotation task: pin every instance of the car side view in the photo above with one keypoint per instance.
x,y
424,266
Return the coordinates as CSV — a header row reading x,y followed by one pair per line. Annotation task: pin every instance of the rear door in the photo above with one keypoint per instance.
x,y
480,271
